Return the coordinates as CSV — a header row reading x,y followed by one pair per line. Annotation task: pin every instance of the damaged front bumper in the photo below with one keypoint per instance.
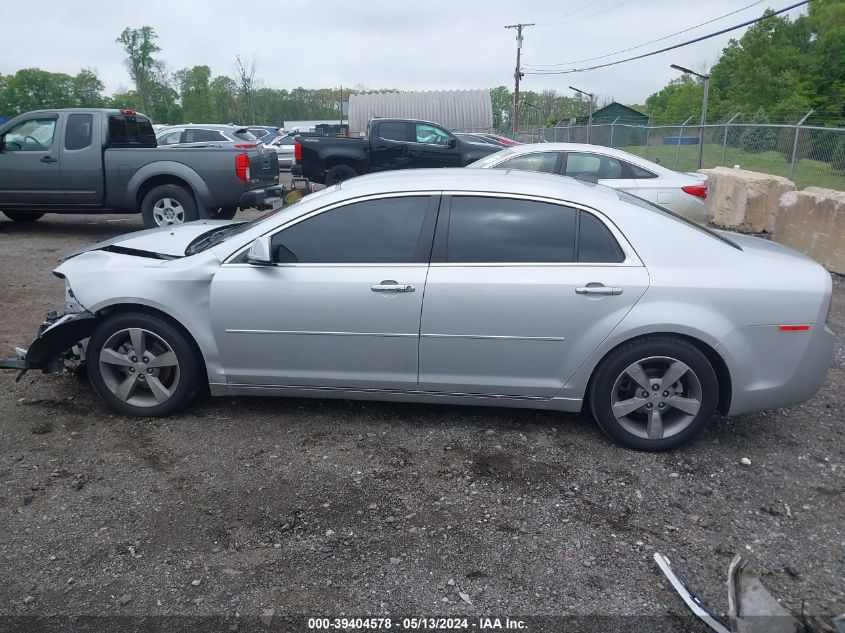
x,y
58,341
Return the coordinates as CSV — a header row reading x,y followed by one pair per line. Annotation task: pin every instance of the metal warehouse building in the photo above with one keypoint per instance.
x,y
453,109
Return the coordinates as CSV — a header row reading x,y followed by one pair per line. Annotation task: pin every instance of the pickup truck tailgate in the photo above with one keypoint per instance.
x,y
263,167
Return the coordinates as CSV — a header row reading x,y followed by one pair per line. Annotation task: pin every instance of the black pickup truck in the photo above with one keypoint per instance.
x,y
107,161
390,144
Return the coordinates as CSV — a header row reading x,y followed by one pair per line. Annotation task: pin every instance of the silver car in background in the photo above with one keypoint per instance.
x,y
284,146
679,192
462,286
207,133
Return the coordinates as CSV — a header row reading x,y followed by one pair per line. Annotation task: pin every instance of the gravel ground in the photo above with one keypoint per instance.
x,y
307,507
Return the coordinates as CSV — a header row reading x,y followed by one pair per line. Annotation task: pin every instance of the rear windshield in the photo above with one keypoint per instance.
x,y
645,204
131,130
246,135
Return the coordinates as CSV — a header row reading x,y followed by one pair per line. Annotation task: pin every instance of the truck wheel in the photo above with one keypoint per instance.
x,y
22,216
166,205
339,173
224,213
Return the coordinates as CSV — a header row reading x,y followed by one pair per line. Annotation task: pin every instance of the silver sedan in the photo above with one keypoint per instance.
x,y
460,286
683,193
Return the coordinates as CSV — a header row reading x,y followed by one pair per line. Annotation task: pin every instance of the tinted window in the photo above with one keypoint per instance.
x,y
128,130
540,161
592,164
246,135
431,134
194,135
170,138
393,131
596,243
79,128
375,231
505,230
639,172
35,135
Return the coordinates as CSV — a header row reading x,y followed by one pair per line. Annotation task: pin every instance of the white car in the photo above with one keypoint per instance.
x,y
683,193
284,149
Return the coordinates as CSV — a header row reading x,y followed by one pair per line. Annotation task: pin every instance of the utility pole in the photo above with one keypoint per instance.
x,y
517,75
706,80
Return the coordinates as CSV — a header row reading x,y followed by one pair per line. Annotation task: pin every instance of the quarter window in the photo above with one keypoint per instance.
x,y
578,164
539,161
78,133
35,135
596,243
639,172
492,230
385,231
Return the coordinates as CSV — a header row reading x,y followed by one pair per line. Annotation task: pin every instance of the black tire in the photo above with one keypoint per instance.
x,y
339,173
184,380
612,380
161,194
23,216
224,213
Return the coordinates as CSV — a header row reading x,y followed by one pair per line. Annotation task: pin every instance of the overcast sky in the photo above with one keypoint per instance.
x,y
404,44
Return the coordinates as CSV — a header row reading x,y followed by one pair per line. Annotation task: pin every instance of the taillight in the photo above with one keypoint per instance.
x,y
245,145
297,151
242,167
128,112
699,191
794,328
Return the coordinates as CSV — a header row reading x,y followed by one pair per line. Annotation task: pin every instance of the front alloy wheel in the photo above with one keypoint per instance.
x,y
654,393
142,364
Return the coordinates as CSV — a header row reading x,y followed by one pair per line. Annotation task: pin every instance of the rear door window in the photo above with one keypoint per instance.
x,y
170,138
393,130
500,230
200,135
538,161
598,165
78,131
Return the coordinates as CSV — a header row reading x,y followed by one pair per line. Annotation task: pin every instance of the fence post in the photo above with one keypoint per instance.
x,y
680,134
611,130
795,145
725,139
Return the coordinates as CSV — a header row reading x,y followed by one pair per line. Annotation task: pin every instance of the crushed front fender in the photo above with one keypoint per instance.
x,y
56,340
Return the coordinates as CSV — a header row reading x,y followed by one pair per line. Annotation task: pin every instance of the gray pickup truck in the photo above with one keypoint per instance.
x,y
107,161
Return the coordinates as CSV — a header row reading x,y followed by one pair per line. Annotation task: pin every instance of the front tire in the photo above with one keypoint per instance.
x,y
167,205
142,365
23,216
339,173
654,393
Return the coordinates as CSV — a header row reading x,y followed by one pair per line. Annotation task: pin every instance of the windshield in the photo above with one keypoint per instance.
x,y
215,236
492,159
646,204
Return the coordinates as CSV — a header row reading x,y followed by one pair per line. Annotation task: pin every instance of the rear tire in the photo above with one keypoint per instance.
x,y
168,205
23,216
339,173
142,365
654,393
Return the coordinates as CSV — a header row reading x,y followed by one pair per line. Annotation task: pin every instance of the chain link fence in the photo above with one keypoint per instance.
x,y
809,156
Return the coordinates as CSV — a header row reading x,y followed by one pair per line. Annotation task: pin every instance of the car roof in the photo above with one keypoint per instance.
x,y
509,181
528,148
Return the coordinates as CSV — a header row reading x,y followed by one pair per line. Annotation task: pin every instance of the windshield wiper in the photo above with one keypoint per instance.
x,y
207,240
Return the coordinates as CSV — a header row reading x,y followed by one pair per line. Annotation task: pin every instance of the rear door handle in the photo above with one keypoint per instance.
x,y
49,159
391,286
598,289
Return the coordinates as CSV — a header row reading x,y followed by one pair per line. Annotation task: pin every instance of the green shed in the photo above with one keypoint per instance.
x,y
630,126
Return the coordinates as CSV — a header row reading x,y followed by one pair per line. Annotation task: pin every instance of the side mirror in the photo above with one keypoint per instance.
x,y
452,143
259,252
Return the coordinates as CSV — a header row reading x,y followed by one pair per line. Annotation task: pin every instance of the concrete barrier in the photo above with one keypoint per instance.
x,y
813,221
743,200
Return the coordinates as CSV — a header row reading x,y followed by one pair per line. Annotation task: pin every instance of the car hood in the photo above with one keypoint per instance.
x,y
166,241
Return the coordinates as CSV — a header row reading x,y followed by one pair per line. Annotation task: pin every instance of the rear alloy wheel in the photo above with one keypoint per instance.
x,y
167,205
339,173
654,394
142,365
23,216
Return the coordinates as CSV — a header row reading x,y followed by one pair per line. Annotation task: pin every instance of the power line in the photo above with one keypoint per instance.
x,y
566,15
670,48
659,39
585,17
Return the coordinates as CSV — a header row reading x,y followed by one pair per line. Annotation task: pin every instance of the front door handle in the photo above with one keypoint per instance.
x,y
391,286
598,289
49,159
